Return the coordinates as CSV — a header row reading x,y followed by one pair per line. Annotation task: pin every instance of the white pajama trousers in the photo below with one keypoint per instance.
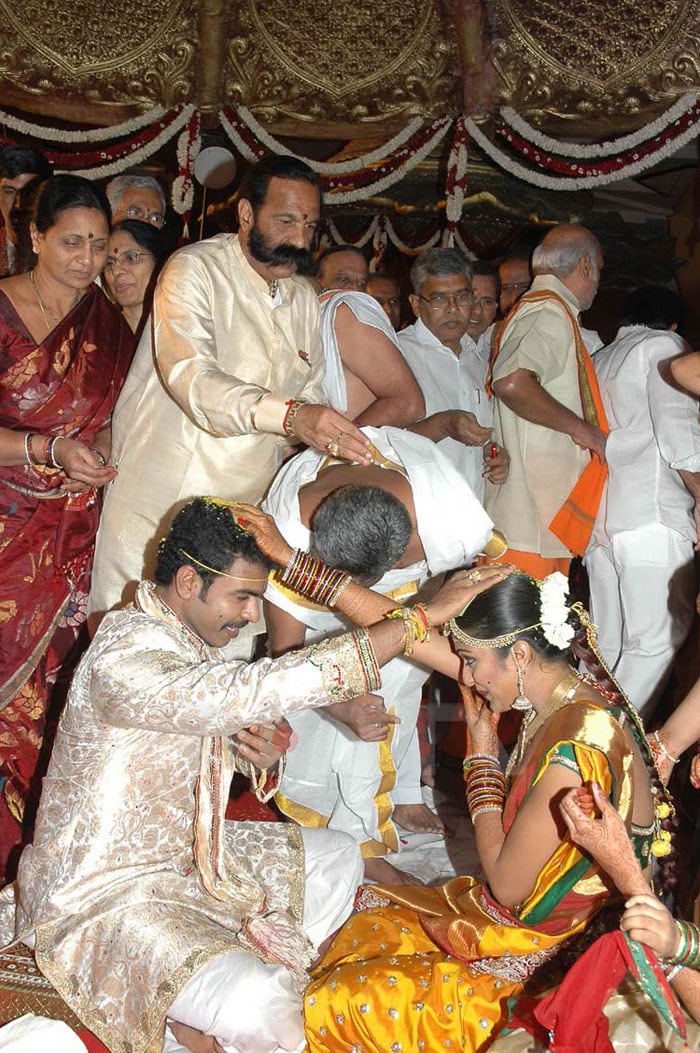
x,y
250,1006
642,602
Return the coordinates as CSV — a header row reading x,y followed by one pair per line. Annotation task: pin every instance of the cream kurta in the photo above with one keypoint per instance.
x,y
544,464
183,425
134,881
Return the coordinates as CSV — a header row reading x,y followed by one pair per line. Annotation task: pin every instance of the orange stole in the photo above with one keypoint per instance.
x,y
573,523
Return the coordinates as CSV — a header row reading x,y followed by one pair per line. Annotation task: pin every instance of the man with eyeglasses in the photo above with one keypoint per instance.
x,y
136,197
450,366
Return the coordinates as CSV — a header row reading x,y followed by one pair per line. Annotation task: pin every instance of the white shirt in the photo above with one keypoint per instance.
x,y
452,382
654,431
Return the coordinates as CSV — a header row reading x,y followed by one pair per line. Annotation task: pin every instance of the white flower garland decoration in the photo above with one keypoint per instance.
x,y
584,182
554,611
370,190
606,149
140,153
409,250
188,146
93,135
237,140
355,164
359,242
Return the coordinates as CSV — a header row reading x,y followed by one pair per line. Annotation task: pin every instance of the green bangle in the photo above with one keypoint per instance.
x,y
688,950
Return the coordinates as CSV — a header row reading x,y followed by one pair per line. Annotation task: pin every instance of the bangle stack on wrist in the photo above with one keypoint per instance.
x,y
687,955
659,749
312,578
416,627
31,442
485,783
293,407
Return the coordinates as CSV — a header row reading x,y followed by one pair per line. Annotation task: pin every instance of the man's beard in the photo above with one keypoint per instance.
x,y
281,255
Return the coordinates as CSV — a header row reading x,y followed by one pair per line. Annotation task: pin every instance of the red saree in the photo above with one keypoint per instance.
x,y
67,385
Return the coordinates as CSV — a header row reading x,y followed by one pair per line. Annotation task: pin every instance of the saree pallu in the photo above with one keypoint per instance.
x,y
436,968
65,386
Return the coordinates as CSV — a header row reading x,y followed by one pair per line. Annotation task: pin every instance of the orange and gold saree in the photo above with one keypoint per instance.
x,y
436,967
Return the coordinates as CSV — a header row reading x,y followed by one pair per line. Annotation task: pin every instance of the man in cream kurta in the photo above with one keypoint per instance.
x,y
235,337
143,902
333,778
538,413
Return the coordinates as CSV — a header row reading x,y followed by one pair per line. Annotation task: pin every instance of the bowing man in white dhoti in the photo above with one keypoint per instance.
x,y
393,525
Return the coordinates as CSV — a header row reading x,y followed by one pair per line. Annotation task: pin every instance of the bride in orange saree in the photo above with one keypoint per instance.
x,y
437,968
64,352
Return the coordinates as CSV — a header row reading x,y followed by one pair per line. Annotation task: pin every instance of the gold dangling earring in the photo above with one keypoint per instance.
x,y
522,702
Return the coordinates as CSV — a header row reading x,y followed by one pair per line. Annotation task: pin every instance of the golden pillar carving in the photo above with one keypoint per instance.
x,y
210,56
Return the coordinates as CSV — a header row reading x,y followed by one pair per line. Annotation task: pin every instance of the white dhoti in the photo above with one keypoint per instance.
x,y
250,1006
642,602
332,779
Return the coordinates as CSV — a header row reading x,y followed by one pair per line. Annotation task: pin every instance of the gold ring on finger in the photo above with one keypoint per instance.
x,y
333,449
474,575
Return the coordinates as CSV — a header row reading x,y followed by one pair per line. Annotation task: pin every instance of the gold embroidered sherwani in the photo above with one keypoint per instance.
x,y
202,408
134,881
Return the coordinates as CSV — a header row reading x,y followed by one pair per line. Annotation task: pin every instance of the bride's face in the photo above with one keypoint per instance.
x,y
490,673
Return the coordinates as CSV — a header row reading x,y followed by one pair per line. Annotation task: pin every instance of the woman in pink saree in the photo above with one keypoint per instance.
x,y
64,352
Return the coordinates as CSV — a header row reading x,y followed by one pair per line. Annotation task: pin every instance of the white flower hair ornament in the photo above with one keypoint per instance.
x,y
554,611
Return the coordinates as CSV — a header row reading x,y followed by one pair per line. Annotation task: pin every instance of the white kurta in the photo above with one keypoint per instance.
x,y
368,312
202,411
452,382
544,464
640,559
134,881
332,778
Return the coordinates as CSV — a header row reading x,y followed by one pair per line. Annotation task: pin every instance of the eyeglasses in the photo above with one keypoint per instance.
x,y
439,301
127,258
136,212
512,286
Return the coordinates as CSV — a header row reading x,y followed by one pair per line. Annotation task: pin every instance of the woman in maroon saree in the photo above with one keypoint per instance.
x,y
64,352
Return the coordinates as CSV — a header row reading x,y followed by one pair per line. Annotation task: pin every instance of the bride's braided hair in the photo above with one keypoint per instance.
x,y
584,648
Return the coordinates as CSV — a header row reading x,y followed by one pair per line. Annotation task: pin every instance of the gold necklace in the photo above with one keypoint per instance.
x,y
45,309
536,719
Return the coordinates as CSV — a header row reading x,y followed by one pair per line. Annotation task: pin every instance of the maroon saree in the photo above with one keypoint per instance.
x,y
66,386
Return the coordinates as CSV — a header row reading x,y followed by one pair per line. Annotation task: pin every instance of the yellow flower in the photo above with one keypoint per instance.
x,y
663,810
660,848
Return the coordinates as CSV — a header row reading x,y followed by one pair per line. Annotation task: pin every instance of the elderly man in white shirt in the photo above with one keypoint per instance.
x,y
450,365
640,559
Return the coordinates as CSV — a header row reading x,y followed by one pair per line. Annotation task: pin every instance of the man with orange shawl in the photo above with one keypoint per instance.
x,y
548,413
